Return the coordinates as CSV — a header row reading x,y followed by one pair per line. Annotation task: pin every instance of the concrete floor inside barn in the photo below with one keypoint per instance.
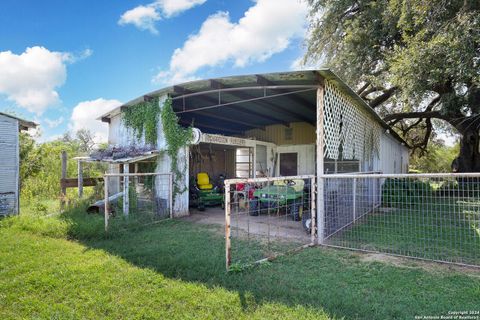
x,y
280,227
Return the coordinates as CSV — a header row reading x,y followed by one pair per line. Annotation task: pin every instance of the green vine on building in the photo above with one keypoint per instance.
x,y
143,120
176,137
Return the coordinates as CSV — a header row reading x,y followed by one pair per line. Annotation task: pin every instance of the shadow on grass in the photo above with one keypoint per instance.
x,y
337,282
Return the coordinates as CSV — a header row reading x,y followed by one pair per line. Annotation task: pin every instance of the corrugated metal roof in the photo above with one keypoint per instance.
x,y
24,124
290,78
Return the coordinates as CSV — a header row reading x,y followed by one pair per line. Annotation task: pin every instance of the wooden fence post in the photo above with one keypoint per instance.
x,y
80,179
63,194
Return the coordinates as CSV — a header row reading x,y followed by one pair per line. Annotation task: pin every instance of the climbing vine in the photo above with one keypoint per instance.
x,y
176,137
143,119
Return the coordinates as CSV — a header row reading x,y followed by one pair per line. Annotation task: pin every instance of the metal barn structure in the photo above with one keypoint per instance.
x,y
268,125
300,160
10,127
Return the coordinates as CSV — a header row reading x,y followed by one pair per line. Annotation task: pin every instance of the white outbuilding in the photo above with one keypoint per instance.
x,y
10,127
276,124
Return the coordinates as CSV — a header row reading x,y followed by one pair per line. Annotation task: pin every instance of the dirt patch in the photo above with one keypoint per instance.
x,y
414,264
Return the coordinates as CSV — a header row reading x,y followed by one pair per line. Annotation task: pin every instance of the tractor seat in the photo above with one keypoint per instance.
x,y
203,181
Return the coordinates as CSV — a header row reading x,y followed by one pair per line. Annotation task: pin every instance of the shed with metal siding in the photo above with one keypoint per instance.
x,y
9,162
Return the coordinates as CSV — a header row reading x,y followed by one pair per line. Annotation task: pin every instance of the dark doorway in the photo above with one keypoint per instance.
x,y
288,164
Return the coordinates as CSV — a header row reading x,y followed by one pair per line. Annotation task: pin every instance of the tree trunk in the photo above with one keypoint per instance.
x,y
469,158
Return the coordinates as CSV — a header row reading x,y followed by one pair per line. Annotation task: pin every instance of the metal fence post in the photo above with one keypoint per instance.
x,y
227,226
320,167
107,204
126,199
354,195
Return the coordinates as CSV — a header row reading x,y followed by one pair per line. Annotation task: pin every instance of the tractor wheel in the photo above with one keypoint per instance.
x,y
307,222
201,206
254,208
295,211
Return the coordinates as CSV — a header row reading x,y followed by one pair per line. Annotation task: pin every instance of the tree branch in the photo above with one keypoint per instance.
x,y
363,88
383,97
414,115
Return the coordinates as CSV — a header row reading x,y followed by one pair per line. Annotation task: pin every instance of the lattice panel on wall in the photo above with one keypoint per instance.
x,y
350,132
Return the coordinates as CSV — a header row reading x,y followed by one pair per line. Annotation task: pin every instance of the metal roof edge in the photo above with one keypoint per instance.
x,y
24,123
324,72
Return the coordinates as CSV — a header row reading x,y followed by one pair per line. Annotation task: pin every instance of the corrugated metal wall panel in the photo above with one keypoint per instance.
x,y
296,133
9,165
8,203
393,156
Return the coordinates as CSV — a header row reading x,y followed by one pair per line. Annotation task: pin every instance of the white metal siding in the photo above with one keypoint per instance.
x,y
306,158
9,165
120,135
393,156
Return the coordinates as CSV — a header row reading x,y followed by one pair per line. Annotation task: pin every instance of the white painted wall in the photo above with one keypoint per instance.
x,y
394,157
120,135
9,165
306,157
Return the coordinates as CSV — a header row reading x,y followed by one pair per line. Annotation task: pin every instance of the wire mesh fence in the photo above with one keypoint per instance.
x,y
136,199
426,216
266,217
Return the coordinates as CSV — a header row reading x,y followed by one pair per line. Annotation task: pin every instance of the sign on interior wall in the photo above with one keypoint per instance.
x,y
219,139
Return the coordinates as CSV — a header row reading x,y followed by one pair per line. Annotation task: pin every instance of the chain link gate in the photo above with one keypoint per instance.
x,y
268,217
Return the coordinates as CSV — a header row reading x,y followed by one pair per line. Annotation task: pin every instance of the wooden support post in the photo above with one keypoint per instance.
x,y
135,179
80,179
227,227
63,194
313,211
107,204
320,167
354,193
126,200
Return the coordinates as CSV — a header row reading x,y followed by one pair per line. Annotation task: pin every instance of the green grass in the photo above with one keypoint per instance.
x,y
446,229
64,267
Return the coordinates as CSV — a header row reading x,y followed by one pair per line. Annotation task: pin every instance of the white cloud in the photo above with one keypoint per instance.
x,y
144,16
170,8
85,113
298,64
265,29
31,78
53,123
75,57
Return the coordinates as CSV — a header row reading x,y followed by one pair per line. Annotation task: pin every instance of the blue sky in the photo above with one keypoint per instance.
x,y
64,62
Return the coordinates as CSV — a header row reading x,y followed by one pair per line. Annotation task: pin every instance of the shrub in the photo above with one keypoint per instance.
x,y
404,192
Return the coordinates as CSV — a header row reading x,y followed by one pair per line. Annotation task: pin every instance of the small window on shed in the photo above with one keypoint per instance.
x,y
288,164
288,133
243,163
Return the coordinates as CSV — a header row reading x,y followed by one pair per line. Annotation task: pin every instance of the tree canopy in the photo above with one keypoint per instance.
x,y
415,61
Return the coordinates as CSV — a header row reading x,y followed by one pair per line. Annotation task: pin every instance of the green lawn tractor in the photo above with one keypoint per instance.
x,y
285,196
204,194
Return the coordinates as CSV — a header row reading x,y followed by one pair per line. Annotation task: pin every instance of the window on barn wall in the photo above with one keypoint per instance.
x,y
261,161
288,134
243,163
341,166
